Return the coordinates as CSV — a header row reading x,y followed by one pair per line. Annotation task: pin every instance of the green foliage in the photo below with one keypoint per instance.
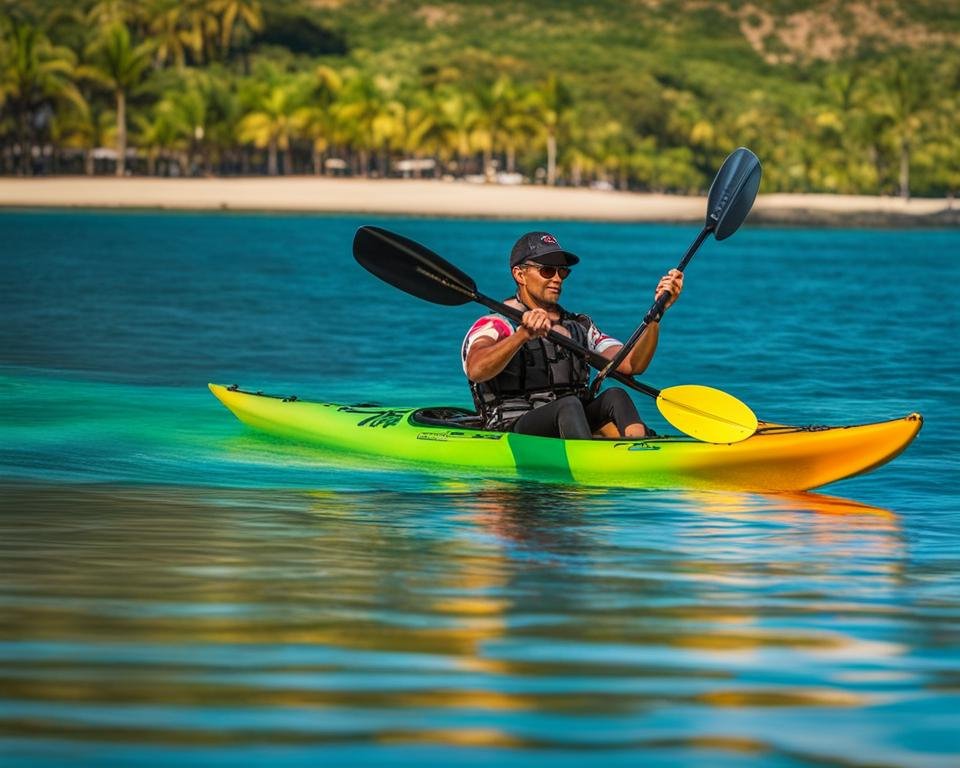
x,y
298,30
643,95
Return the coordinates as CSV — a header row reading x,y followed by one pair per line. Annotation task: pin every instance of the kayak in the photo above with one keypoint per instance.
x,y
776,458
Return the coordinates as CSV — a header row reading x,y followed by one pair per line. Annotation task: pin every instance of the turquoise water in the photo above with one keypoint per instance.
x,y
175,587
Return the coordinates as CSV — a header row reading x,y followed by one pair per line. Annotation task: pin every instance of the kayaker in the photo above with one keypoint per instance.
x,y
523,382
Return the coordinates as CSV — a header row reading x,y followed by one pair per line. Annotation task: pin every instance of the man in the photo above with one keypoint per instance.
x,y
523,382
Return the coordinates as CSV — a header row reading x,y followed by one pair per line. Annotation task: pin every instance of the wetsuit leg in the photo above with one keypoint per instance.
x,y
564,417
613,405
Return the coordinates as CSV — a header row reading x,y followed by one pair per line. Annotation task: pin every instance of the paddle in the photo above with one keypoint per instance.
x,y
702,412
729,201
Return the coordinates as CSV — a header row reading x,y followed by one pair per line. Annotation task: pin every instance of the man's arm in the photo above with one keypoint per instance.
x,y
488,357
641,354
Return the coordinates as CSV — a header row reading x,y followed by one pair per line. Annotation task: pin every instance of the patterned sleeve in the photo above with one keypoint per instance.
x,y
598,341
487,327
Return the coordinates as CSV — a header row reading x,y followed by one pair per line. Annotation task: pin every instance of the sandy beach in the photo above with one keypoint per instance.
x,y
455,198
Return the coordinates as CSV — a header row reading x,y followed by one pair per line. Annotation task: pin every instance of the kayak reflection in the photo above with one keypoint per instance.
x,y
490,612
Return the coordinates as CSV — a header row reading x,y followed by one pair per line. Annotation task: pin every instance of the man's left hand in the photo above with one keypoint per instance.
x,y
673,282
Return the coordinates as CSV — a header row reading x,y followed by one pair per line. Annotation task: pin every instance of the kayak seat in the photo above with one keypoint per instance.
x,y
448,417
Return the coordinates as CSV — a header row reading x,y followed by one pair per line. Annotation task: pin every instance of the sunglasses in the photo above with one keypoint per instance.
x,y
547,273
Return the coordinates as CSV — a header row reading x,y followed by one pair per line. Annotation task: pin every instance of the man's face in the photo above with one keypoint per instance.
x,y
543,283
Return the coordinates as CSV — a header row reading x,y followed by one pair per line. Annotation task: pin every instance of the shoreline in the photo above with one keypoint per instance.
x,y
457,199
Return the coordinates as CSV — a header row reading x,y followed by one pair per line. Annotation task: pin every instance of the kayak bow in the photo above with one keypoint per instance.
x,y
776,458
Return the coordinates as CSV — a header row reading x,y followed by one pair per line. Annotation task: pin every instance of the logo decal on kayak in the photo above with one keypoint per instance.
x,y
436,436
445,436
637,446
375,418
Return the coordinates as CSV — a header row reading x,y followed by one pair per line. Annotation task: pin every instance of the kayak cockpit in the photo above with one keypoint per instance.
x,y
444,416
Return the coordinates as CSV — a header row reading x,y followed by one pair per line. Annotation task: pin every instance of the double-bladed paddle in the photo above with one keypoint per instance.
x,y
729,201
702,412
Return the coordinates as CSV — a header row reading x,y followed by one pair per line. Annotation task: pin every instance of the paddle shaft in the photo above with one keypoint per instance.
x,y
653,315
729,201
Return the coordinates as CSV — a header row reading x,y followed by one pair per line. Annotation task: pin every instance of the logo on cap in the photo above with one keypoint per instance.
x,y
549,240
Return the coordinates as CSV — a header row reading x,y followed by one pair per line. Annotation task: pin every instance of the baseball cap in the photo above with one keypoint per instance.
x,y
543,248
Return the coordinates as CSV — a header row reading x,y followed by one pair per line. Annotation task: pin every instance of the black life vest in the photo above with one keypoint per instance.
x,y
537,374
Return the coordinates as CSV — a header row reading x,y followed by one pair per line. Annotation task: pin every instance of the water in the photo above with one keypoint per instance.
x,y
176,588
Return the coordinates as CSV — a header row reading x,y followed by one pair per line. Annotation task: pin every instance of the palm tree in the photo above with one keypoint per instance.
x,y
414,123
674,171
459,119
34,74
170,32
188,108
691,120
161,134
116,64
643,162
363,112
315,120
582,154
491,108
944,142
612,149
103,13
555,105
273,104
223,113
838,140
903,95
234,15
78,126
518,125
204,26
765,127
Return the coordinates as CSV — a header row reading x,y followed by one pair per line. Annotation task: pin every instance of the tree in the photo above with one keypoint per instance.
x,y
78,126
363,112
904,93
938,158
839,134
414,125
315,121
118,65
105,13
458,120
204,26
161,134
170,31
504,119
273,100
233,16
612,150
554,108
518,125
35,74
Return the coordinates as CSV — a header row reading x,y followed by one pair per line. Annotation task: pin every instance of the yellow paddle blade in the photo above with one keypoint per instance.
x,y
707,413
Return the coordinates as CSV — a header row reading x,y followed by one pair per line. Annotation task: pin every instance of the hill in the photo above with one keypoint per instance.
x,y
857,97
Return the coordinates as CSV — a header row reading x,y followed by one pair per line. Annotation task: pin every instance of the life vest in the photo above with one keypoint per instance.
x,y
537,374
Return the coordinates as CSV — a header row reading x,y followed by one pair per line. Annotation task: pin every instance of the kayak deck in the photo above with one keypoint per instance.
x,y
776,458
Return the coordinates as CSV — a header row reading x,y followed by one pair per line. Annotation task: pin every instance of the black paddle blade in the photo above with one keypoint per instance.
x,y
411,267
732,193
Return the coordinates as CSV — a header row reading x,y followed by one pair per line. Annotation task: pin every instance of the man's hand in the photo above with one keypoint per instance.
x,y
673,282
536,322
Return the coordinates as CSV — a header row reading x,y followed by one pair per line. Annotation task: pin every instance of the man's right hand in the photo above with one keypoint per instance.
x,y
536,322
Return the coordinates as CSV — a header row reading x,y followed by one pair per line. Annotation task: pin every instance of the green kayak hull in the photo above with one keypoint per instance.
x,y
777,458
